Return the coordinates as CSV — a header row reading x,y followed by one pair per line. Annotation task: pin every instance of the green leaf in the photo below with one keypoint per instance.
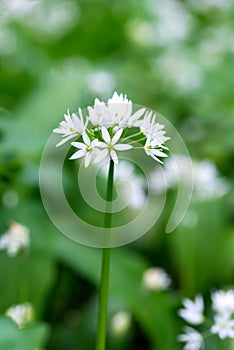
x,y
31,338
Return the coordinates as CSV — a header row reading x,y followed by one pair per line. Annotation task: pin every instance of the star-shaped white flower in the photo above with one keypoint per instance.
x,y
110,145
86,149
154,149
151,128
121,110
224,327
193,311
71,127
99,114
192,338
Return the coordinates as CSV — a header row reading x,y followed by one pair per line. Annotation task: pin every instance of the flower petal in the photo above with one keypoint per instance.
x,y
65,139
78,154
114,156
95,143
79,145
122,147
102,145
88,157
158,153
117,136
105,134
85,138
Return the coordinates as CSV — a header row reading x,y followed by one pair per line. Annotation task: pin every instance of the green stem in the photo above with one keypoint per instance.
x,y
104,284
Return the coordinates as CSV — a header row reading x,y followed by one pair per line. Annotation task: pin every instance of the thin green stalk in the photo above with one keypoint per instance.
x,y
104,284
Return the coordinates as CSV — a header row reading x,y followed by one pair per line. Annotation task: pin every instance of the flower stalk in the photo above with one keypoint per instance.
x,y
104,284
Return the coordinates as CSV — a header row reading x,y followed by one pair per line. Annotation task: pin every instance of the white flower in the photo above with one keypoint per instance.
x,y
155,278
110,146
207,183
106,122
99,114
223,326
21,314
193,311
152,129
15,239
121,322
121,110
71,127
86,149
192,338
154,149
223,302
117,112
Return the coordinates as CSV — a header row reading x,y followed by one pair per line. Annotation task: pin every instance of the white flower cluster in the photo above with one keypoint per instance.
x,y
193,313
112,127
15,239
21,314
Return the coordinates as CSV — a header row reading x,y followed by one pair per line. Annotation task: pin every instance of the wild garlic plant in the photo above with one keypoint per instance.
x,y
99,136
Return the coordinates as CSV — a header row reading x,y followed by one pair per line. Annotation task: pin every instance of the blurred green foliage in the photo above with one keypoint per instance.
x,y
176,57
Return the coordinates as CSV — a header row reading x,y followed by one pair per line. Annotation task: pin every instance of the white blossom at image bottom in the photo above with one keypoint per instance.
x,y
224,327
192,338
223,301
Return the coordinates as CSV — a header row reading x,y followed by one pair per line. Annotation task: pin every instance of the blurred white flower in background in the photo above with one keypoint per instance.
x,y
101,82
130,185
205,5
193,310
155,278
126,174
57,17
15,239
206,181
192,338
18,9
172,21
223,302
21,314
181,71
121,322
215,43
169,22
